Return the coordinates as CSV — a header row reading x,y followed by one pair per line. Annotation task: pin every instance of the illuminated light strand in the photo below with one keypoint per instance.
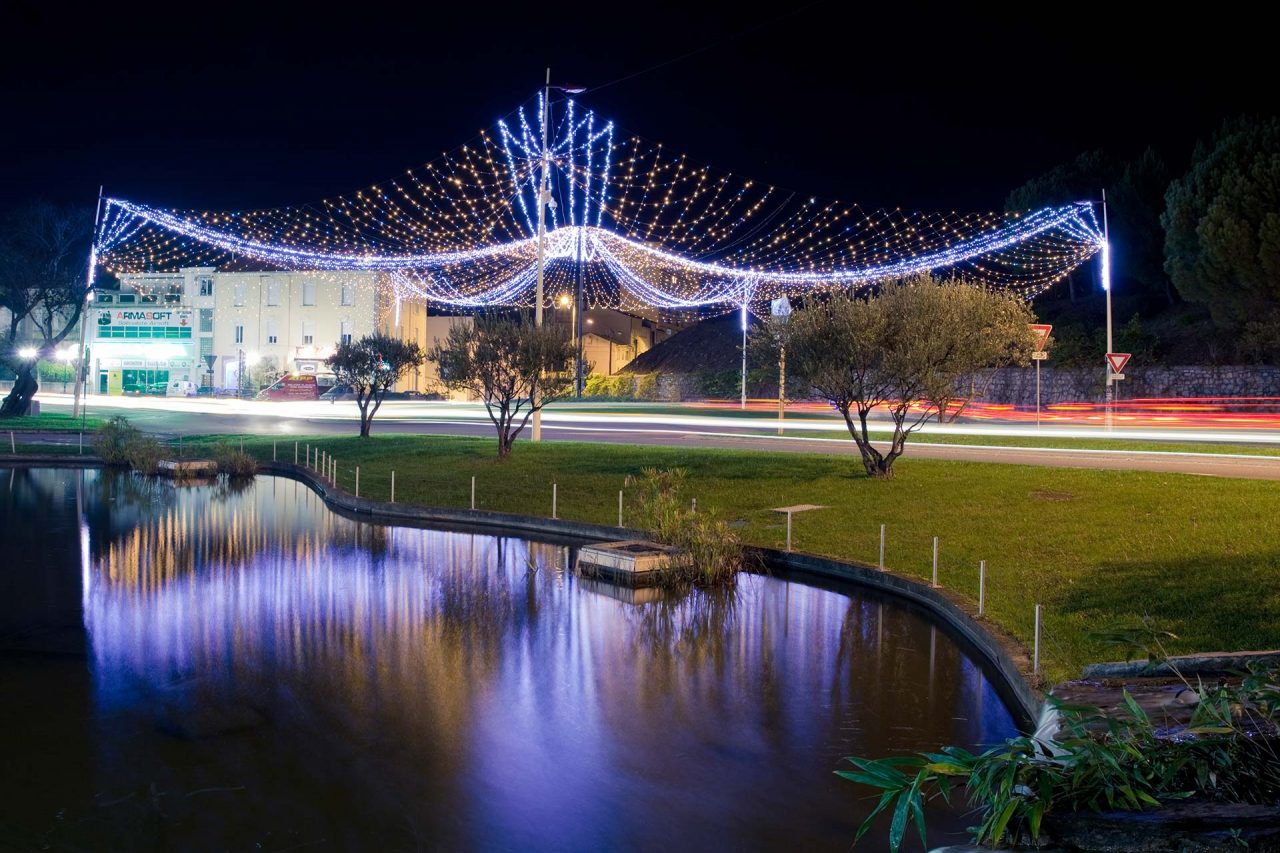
x,y
665,234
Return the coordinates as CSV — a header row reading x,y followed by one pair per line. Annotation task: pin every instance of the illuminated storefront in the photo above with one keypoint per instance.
x,y
140,350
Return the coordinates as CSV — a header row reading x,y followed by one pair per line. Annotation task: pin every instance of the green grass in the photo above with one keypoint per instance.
x,y
50,422
1099,549
1057,442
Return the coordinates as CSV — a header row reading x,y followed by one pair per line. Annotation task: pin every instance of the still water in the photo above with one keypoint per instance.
x,y
234,668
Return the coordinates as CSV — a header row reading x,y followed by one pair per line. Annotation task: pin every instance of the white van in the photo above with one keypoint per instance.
x,y
181,388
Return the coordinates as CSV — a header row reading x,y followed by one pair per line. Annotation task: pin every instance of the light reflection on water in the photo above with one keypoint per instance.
x,y
314,679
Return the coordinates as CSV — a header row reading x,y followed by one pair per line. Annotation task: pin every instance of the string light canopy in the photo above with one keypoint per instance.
x,y
648,228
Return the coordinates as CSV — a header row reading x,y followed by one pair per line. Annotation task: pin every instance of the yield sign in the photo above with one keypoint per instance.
x,y
1043,330
1118,360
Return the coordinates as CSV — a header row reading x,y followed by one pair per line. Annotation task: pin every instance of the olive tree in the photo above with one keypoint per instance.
x,y
371,367
905,350
510,364
44,252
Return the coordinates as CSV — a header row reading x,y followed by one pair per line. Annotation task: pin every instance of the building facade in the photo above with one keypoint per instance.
x,y
214,329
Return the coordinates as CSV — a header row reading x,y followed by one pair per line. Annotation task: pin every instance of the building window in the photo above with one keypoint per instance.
x,y
206,285
206,319
148,299
308,293
103,297
347,295
273,332
308,332
172,298
344,336
239,333
237,298
127,299
273,292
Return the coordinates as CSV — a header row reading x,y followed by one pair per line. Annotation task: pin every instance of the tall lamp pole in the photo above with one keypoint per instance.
x,y
577,323
543,198
81,376
1106,286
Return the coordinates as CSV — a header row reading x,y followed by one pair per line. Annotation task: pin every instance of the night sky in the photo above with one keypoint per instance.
x,y
214,106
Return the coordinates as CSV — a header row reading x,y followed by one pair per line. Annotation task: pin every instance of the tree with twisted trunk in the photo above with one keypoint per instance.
x,y
44,251
371,367
514,367
905,350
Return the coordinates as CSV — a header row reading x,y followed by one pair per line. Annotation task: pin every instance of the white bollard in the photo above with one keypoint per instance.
x,y
553,500
473,492
935,562
694,508
882,547
982,586
393,486
357,481
619,507
1035,648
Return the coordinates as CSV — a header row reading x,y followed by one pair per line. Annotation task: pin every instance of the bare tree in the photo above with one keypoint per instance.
x,y
43,255
512,365
903,351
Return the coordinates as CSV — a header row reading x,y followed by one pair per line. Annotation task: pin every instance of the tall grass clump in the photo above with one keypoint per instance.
x,y
233,462
711,555
117,442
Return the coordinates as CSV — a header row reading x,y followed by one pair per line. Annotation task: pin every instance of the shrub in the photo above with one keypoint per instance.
x,y
1098,761
235,463
646,387
712,553
144,453
113,440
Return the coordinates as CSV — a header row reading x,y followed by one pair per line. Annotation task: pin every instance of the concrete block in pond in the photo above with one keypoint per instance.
x,y
634,562
183,468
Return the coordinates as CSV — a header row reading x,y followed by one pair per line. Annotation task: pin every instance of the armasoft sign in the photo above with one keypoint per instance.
x,y
140,316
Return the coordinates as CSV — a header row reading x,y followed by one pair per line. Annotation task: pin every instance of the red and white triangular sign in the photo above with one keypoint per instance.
x,y
1043,330
1118,360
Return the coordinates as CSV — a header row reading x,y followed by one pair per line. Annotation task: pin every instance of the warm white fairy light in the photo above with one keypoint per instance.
x,y
651,230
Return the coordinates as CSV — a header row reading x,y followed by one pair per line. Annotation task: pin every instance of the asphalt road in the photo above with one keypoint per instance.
x,y
190,417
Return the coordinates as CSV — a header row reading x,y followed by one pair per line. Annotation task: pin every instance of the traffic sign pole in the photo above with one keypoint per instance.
x,y
1039,355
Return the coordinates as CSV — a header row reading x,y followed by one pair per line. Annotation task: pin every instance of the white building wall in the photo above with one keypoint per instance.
x,y
288,318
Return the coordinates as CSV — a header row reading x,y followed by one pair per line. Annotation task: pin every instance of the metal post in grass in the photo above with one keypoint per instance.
x,y
882,547
788,533
13,445
473,492
1035,648
82,444
295,453
935,562
357,481
982,586
694,507
553,500
619,507
393,485
308,465
273,451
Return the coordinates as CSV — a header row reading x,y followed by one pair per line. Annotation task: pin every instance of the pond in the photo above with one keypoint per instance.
x,y
229,666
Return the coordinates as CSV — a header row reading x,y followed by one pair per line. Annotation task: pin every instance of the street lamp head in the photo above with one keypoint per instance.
x,y
563,301
28,353
570,90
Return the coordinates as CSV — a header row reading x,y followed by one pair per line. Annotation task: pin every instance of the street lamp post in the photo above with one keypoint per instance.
x,y
83,362
1106,287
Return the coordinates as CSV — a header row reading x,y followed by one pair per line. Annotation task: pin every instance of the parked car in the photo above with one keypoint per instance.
x,y
182,388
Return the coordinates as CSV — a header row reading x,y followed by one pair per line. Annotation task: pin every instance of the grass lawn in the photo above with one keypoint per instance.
x,y
1056,442
50,421
1199,556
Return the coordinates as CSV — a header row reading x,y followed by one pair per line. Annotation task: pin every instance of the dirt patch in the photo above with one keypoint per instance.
x,y
1057,497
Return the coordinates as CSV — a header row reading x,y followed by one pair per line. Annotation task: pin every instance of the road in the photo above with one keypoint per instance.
x,y
643,426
